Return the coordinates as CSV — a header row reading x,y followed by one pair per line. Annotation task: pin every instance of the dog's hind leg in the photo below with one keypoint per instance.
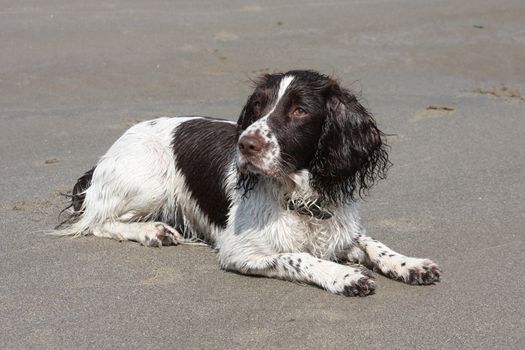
x,y
151,234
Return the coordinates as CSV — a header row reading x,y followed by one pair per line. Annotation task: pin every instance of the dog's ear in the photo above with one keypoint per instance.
x,y
352,151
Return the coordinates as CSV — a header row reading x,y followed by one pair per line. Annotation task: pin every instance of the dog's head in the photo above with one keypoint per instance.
x,y
304,120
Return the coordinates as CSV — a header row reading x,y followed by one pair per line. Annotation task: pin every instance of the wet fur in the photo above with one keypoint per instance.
x,y
291,213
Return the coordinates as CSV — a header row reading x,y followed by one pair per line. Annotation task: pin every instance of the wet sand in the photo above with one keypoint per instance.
x,y
445,78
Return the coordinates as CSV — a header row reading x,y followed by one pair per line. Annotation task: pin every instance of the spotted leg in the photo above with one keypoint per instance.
x,y
372,253
305,268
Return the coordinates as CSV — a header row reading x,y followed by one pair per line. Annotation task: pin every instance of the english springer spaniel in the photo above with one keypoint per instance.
x,y
274,193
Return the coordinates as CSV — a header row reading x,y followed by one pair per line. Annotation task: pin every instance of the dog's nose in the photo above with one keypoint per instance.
x,y
251,144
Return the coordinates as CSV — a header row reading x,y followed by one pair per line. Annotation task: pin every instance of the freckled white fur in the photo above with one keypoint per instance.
x,y
136,188
391,263
269,159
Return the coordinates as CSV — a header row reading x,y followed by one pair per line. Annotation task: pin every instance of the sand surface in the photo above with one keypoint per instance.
x,y
447,78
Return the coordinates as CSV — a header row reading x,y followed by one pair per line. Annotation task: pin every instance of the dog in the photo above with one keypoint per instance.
x,y
275,194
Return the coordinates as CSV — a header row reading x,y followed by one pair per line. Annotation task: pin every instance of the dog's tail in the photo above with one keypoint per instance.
x,y
79,190
73,223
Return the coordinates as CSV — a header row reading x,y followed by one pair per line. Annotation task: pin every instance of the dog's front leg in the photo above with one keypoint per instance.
x,y
374,254
305,268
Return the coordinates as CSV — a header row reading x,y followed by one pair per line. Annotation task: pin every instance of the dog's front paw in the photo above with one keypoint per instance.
x,y
362,287
354,282
159,234
415,271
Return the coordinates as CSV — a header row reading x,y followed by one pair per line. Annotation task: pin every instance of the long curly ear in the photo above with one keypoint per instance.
x,y
352,151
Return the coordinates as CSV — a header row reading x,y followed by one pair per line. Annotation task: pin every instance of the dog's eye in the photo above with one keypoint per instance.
x,y
257,107
299,113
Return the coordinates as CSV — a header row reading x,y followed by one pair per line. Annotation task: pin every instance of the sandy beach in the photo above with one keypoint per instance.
x,y
446,79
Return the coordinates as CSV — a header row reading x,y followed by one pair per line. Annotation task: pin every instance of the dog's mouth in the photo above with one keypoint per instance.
x,y
251,166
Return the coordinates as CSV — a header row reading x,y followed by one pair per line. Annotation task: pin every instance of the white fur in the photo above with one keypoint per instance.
x,y
136,180
136,188
283,86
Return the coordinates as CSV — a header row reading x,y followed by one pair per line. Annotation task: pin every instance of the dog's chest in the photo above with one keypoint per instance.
x,y
265,219
323,238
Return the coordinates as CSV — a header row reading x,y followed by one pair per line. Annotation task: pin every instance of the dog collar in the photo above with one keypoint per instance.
x,y
312,209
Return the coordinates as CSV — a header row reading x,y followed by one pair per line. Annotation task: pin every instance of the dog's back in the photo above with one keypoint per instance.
x,y
170,170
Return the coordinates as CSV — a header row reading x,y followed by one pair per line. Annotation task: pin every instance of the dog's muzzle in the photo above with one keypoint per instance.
x,y
251,145
257,154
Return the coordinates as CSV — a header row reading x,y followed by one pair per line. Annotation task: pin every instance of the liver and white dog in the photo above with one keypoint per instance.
x,y
274,193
